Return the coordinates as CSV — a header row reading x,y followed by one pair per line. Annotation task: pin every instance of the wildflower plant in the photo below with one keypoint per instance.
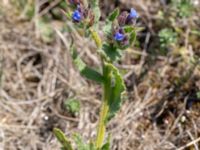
x,y
119,34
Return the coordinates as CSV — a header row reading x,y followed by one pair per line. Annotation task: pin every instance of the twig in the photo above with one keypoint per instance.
x,y
1,66
189,144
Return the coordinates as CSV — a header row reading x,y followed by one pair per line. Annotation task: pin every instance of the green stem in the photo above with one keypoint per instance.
x,y
104,109
97,13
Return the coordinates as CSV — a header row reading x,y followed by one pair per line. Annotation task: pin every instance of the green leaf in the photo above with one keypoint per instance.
x,y
115,85
81,145
112,52
107,29
109,22
62,139
185,8
63,4
106,146
86,71
92,146
96,10
113,88
128,29
132,38
29,11
114,15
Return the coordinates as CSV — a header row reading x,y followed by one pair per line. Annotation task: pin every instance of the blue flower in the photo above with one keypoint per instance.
x,y
76,16
133,14
119,36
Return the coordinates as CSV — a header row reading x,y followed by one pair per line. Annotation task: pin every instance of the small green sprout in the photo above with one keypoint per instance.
x,y
184,8
72,105
167,38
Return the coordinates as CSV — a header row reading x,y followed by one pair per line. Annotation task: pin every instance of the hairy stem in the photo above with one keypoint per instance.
x,y
104,109
97,13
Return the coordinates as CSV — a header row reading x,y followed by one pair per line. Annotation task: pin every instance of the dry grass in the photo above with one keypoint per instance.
x,y
38,77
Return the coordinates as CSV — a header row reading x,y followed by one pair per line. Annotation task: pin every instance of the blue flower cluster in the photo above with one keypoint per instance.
x,y
81,13
77,14
125,18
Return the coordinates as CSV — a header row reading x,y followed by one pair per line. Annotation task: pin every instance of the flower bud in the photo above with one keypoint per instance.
x,y
133,15
75,2
122,18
